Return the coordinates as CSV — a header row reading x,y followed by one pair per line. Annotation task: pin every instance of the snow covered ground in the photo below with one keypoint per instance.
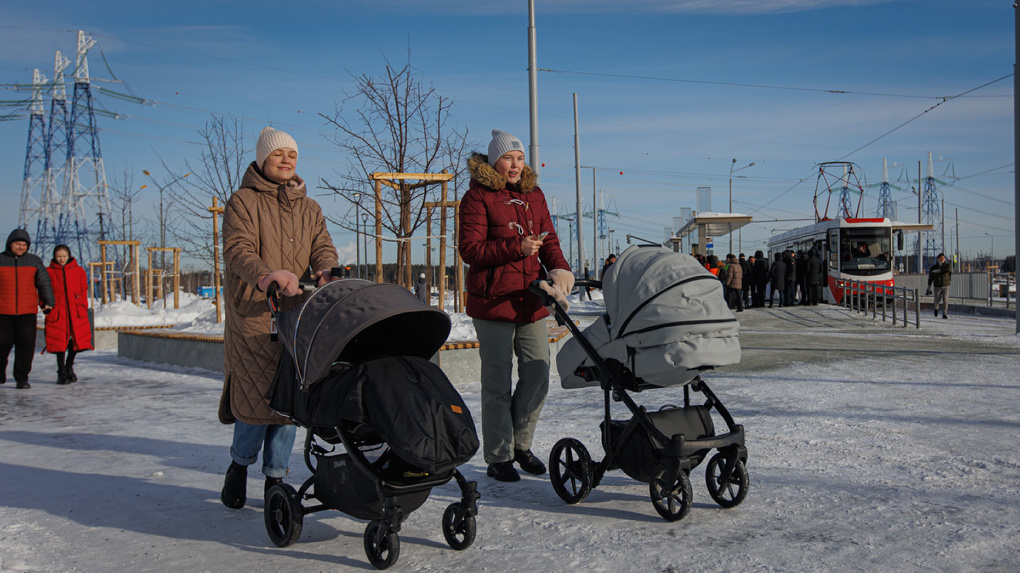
x,y
869,461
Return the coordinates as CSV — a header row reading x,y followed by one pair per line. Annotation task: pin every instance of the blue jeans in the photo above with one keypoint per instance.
x,y
279,443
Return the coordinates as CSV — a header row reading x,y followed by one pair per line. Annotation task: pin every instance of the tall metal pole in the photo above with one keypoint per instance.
x,y
1016,148
533,87
919,211
594,224
577,178
357,236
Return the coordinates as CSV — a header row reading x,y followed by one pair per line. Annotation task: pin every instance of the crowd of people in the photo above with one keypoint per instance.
x,y
751,282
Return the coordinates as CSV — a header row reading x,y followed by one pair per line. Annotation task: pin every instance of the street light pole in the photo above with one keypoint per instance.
x,y
732,171
357,233
991,254
364,219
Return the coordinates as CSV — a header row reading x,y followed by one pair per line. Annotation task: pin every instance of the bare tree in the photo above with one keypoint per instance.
x,y
216,173
394,124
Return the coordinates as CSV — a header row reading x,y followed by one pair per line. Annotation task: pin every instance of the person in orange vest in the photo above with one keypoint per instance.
x,y
24,288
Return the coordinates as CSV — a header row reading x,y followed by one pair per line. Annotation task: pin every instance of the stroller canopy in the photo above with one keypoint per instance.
x,y
666,320
353,320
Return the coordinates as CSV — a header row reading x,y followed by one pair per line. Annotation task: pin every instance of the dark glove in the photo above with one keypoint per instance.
x,y
927,292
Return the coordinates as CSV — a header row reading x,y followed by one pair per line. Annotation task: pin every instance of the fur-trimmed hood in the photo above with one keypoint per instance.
x,y
484,174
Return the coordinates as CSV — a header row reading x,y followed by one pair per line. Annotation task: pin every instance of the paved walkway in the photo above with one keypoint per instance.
x,y
826,333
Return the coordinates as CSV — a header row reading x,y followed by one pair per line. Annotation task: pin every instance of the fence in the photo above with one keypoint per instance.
x,y
862,296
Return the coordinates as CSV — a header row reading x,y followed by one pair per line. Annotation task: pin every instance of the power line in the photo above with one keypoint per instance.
x,y
759,86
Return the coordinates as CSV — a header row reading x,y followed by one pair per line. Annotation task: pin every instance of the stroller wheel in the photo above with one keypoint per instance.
x,y
458,527
381,545
671,498
570,470
283,514
726,491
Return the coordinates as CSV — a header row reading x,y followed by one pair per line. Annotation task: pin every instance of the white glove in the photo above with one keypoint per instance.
x,y
286,282
555,292
563,279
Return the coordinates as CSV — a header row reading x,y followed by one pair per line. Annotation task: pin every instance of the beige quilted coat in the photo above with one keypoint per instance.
x,y
266,226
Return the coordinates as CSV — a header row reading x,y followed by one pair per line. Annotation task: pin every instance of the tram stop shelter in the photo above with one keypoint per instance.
x,y
708,226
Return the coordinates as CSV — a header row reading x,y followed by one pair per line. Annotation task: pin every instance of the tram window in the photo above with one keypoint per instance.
x,y
866,251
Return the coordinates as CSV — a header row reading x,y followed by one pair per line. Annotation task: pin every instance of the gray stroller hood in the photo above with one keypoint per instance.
x,y
354,320
666,320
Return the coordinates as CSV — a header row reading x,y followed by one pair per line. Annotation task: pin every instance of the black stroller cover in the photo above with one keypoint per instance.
x,y
353,320
357,358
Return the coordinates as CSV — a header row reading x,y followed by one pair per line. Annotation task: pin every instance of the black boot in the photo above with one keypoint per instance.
x,y
62,377
235,486
529,462
270,482
503,471
23,385
71,376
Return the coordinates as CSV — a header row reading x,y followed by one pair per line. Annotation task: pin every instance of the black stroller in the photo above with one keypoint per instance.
x,y
356,374
666,322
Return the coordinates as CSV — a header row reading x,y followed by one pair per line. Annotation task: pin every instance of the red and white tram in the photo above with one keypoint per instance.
x,y
850,249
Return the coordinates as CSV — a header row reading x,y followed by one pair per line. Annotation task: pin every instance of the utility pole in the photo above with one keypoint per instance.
x,y
533,87
577,178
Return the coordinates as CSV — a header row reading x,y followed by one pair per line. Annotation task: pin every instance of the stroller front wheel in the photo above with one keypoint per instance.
x,y
283,515
570,470
381,547
458,527
728,487
672,498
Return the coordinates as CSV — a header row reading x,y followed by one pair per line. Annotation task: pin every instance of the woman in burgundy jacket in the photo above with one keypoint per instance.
x,y
67,325
507,238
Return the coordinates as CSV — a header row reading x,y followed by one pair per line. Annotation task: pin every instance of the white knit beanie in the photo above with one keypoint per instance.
x,y
269,141
501,143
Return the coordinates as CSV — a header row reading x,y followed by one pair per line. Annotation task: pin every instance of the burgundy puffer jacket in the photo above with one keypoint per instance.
x,y
494,217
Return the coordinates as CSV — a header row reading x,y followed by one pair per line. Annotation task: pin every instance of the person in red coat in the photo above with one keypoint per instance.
x,y
508,239
67,325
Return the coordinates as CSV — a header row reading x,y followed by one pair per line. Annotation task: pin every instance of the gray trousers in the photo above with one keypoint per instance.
x,y
943,293
509,415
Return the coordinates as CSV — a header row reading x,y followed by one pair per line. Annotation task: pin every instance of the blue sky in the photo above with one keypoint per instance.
x,y
669,92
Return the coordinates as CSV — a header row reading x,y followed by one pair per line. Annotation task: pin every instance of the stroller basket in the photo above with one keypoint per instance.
x,y
639,455
340,484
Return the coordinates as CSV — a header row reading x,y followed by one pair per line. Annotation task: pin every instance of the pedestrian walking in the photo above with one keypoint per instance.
x,y
68,330
24,289
940,276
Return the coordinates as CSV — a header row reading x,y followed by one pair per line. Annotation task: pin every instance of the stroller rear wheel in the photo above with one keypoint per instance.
x,y
672,498
726,491
458,526
570,470
283,515
381,546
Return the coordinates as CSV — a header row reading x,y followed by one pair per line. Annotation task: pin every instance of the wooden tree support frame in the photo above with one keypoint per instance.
x,y
392,180
458,264
107,268
151,273
216,211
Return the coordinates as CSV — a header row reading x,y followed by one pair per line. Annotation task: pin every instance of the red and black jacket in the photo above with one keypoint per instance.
x,y
24,282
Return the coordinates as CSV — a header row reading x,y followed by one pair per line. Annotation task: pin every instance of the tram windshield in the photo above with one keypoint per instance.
x,y
865,251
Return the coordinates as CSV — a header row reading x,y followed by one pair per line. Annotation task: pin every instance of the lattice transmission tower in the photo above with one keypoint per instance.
x,y
85,188
35,154
931,213
886,206
48,233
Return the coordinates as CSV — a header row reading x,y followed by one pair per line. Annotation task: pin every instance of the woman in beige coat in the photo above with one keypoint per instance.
x,y
272,232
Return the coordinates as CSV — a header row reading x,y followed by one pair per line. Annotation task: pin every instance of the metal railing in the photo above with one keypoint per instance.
x,y
882,300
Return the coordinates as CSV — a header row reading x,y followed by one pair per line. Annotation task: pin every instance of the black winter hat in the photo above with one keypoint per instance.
x,y
18,235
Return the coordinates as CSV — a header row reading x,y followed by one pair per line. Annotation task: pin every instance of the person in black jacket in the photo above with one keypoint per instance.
x,y
940,275
802,260
791,278
778,276
745,287
813,277
24,289
759,278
